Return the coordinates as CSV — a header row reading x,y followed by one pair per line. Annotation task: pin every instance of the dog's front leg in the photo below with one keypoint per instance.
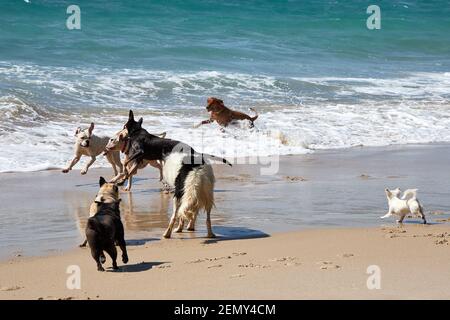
x,y
387,215
130,181
203,122
85,170
128,173
114,179
72,163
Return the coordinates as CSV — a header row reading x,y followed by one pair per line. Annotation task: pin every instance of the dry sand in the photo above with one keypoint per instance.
x,y
326,264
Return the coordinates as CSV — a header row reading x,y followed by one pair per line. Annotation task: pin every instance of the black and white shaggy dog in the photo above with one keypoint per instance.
x,y
194,180
105,229
183,169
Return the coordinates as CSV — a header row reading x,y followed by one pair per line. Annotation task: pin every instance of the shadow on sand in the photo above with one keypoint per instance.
x,y
139,242
234,233
137,267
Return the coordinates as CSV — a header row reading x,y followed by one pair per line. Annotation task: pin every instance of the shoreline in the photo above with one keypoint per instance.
x,y
239,160
333,189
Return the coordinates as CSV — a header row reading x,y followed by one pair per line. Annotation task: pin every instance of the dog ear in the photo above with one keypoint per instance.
x,y
131,115
91,128
220,101
77,131
102,181
140,121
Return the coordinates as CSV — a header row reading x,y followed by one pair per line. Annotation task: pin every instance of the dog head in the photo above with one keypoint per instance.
x,y
84,136
392,193
132,125
108,193
117,142
214,104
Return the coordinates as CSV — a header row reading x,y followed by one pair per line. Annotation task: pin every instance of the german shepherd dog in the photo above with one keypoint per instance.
x,y
104,230
184,169
145,146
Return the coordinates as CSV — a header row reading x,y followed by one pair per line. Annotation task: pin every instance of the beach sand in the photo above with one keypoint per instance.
x,y
309,231
326,264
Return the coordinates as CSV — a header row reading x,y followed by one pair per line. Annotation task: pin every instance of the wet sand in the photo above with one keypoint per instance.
x,y
45,212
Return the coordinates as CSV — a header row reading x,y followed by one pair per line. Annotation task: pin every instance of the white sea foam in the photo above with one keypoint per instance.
x,y
297,115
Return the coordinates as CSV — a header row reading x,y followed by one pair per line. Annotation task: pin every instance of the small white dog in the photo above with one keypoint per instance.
x,y
408,203
88,144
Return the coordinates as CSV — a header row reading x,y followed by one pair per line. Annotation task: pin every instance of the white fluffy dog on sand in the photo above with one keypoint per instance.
x,y
407,204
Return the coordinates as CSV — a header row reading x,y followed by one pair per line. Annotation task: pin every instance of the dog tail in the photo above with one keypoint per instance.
x,y
210,156
409,194
256,115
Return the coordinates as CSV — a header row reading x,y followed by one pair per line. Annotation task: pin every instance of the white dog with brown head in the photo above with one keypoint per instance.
x,y
90,145
402,206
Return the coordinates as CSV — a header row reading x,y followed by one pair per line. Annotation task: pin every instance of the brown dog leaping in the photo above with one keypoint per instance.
x,y
224,115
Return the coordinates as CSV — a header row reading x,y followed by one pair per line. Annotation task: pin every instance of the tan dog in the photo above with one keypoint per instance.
x,y
120,142
223,115
88,144
108,193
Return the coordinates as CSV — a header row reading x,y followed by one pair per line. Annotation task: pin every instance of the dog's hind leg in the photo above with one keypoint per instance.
x,y
123,248
191,225
112,251
401,219
96,254
121,243
127,173
180,225
83,244
208,224
422,215
176,205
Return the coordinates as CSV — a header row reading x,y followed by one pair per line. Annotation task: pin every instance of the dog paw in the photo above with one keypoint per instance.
x,y
126,189
100,269
82,245
125,259
83,172
65,170
211,235
166,235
